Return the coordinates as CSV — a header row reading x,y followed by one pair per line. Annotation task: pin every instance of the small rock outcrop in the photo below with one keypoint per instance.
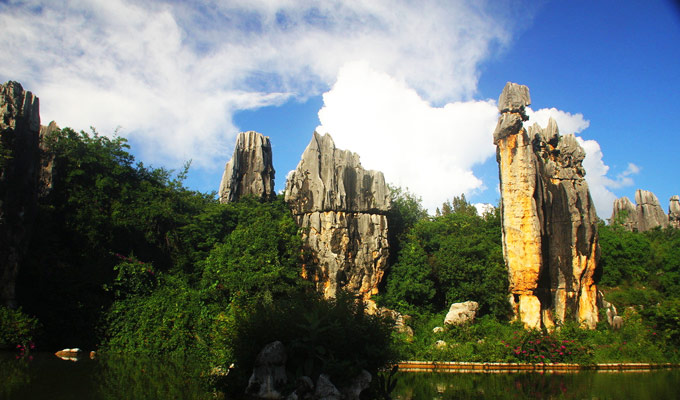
x,y
674,212
549,222
461,313
341,208
269,373
646,214
250,171
19,177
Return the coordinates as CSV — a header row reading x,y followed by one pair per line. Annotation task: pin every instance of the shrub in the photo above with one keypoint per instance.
x,y
17,329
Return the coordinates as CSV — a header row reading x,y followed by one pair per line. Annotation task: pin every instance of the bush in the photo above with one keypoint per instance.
x,y
17,329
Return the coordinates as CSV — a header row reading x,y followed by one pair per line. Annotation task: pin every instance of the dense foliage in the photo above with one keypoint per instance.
x,y
450,258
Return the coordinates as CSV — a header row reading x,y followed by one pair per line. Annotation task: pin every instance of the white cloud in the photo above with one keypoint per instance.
x,y
567,122
430,150
172,74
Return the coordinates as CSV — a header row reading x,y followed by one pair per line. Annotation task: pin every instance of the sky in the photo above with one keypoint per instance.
x,y
409,86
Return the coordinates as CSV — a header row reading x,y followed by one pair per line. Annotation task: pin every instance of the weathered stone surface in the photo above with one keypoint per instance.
x,y
674,212
358,384
325,390
330,179
649,211
624,212
250,170
461,313
340,207
549,221
269,372
19,172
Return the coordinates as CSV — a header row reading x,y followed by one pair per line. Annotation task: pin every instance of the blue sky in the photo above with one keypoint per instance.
x,y
410,86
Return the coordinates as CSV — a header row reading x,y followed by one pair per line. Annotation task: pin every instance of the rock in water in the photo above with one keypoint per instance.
x,y
550,241
250,171
649,211
341,208
674,212
19,174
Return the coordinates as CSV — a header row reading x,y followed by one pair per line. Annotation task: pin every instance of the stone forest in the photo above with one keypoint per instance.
x,y
317,292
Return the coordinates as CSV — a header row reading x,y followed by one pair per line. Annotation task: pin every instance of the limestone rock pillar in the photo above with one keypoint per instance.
x,y
250,171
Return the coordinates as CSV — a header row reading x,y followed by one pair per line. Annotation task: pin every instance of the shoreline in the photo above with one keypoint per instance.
x,y
491,367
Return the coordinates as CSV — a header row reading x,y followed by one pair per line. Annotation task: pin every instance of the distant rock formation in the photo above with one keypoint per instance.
x,y
674,212
645,215
341,208
19,174
250,171
550,241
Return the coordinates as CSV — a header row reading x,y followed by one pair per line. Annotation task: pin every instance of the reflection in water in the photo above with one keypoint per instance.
x,y
661,384
47,377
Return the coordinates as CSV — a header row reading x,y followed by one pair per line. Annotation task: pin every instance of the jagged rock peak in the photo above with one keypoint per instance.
x,y
19,171
514,98
250,171
674,212
330,179
624,212
549,223
649,211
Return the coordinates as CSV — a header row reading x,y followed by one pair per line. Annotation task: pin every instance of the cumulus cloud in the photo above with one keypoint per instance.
x,y
599,183
172,74
430,150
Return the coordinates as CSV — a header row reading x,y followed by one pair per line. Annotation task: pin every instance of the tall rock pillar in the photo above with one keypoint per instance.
x,y
341,208
549,221
250,171
674,212
19,174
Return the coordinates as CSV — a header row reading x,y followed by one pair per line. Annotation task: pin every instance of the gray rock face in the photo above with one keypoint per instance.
x,y
250,171
649,211
19,172
645,215
550,241
674,212
461,313
624,212
341,208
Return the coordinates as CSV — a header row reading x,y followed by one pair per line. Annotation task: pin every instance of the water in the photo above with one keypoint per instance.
x,y
658,384
47,377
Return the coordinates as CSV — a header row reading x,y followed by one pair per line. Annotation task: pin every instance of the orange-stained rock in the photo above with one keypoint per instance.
x,y
548,218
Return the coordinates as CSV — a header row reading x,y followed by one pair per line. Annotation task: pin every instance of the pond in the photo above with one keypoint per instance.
x,y
48,377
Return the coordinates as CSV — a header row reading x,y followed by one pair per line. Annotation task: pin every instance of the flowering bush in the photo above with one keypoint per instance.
x,y
535,346
17,329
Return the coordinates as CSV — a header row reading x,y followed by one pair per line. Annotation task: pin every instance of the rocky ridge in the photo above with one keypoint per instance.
x,y
250,170
549,222
647,213
341,208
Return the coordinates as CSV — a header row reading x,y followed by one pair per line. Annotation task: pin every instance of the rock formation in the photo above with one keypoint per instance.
x,y
250,170
649,211
645,215
549,223
461,313
19,172
674,212
341,208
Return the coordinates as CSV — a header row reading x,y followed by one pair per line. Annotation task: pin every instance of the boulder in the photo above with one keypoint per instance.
x,y
269,372
674,212
250,171
461,313
325,390
341,209
549,223
358,384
